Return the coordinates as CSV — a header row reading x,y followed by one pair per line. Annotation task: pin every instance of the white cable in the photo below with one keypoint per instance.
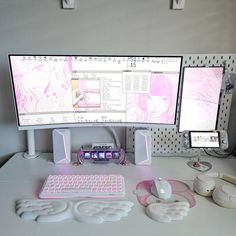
x,y
115,136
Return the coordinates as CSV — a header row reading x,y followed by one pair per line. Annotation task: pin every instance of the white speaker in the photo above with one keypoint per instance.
x,y
142,147
61,146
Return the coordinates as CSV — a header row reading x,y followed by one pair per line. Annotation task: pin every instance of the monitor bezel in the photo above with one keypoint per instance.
x,y
92,124
181,96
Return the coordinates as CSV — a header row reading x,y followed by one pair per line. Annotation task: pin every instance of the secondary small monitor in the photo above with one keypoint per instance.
x,y
201,139
201,90
77,90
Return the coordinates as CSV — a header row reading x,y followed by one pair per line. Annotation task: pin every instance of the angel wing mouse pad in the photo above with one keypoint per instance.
x,y
180,192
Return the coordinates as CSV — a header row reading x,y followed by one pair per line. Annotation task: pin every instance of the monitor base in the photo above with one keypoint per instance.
x,y
26,155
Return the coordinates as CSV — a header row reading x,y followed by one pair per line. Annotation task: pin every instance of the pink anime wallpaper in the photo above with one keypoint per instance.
x,y
200,98
159,104
42,86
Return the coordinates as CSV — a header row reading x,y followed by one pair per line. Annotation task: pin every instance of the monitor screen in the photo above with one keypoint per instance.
x,y
201,139
200,98
55,90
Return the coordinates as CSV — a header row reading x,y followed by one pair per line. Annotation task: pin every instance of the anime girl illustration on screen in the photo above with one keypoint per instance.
x,y
85,93
159,104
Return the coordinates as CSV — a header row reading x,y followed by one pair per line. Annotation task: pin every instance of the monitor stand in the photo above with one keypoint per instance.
x,y
30,154
199,165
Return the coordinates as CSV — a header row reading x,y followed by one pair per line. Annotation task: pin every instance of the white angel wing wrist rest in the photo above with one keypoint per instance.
x,y
88,211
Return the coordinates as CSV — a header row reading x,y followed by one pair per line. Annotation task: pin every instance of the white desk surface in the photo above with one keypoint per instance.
x,y
21,178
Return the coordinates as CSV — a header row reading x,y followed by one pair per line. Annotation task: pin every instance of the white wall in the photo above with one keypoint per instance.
x,y
104,27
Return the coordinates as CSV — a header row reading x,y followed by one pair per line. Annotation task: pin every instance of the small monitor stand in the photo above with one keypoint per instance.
x,y
201,140
199,164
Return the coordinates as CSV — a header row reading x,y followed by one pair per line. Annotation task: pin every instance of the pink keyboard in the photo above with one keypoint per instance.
x,y
69,186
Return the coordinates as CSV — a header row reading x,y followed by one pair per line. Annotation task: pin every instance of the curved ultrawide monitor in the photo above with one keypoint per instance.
x,y
63,91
